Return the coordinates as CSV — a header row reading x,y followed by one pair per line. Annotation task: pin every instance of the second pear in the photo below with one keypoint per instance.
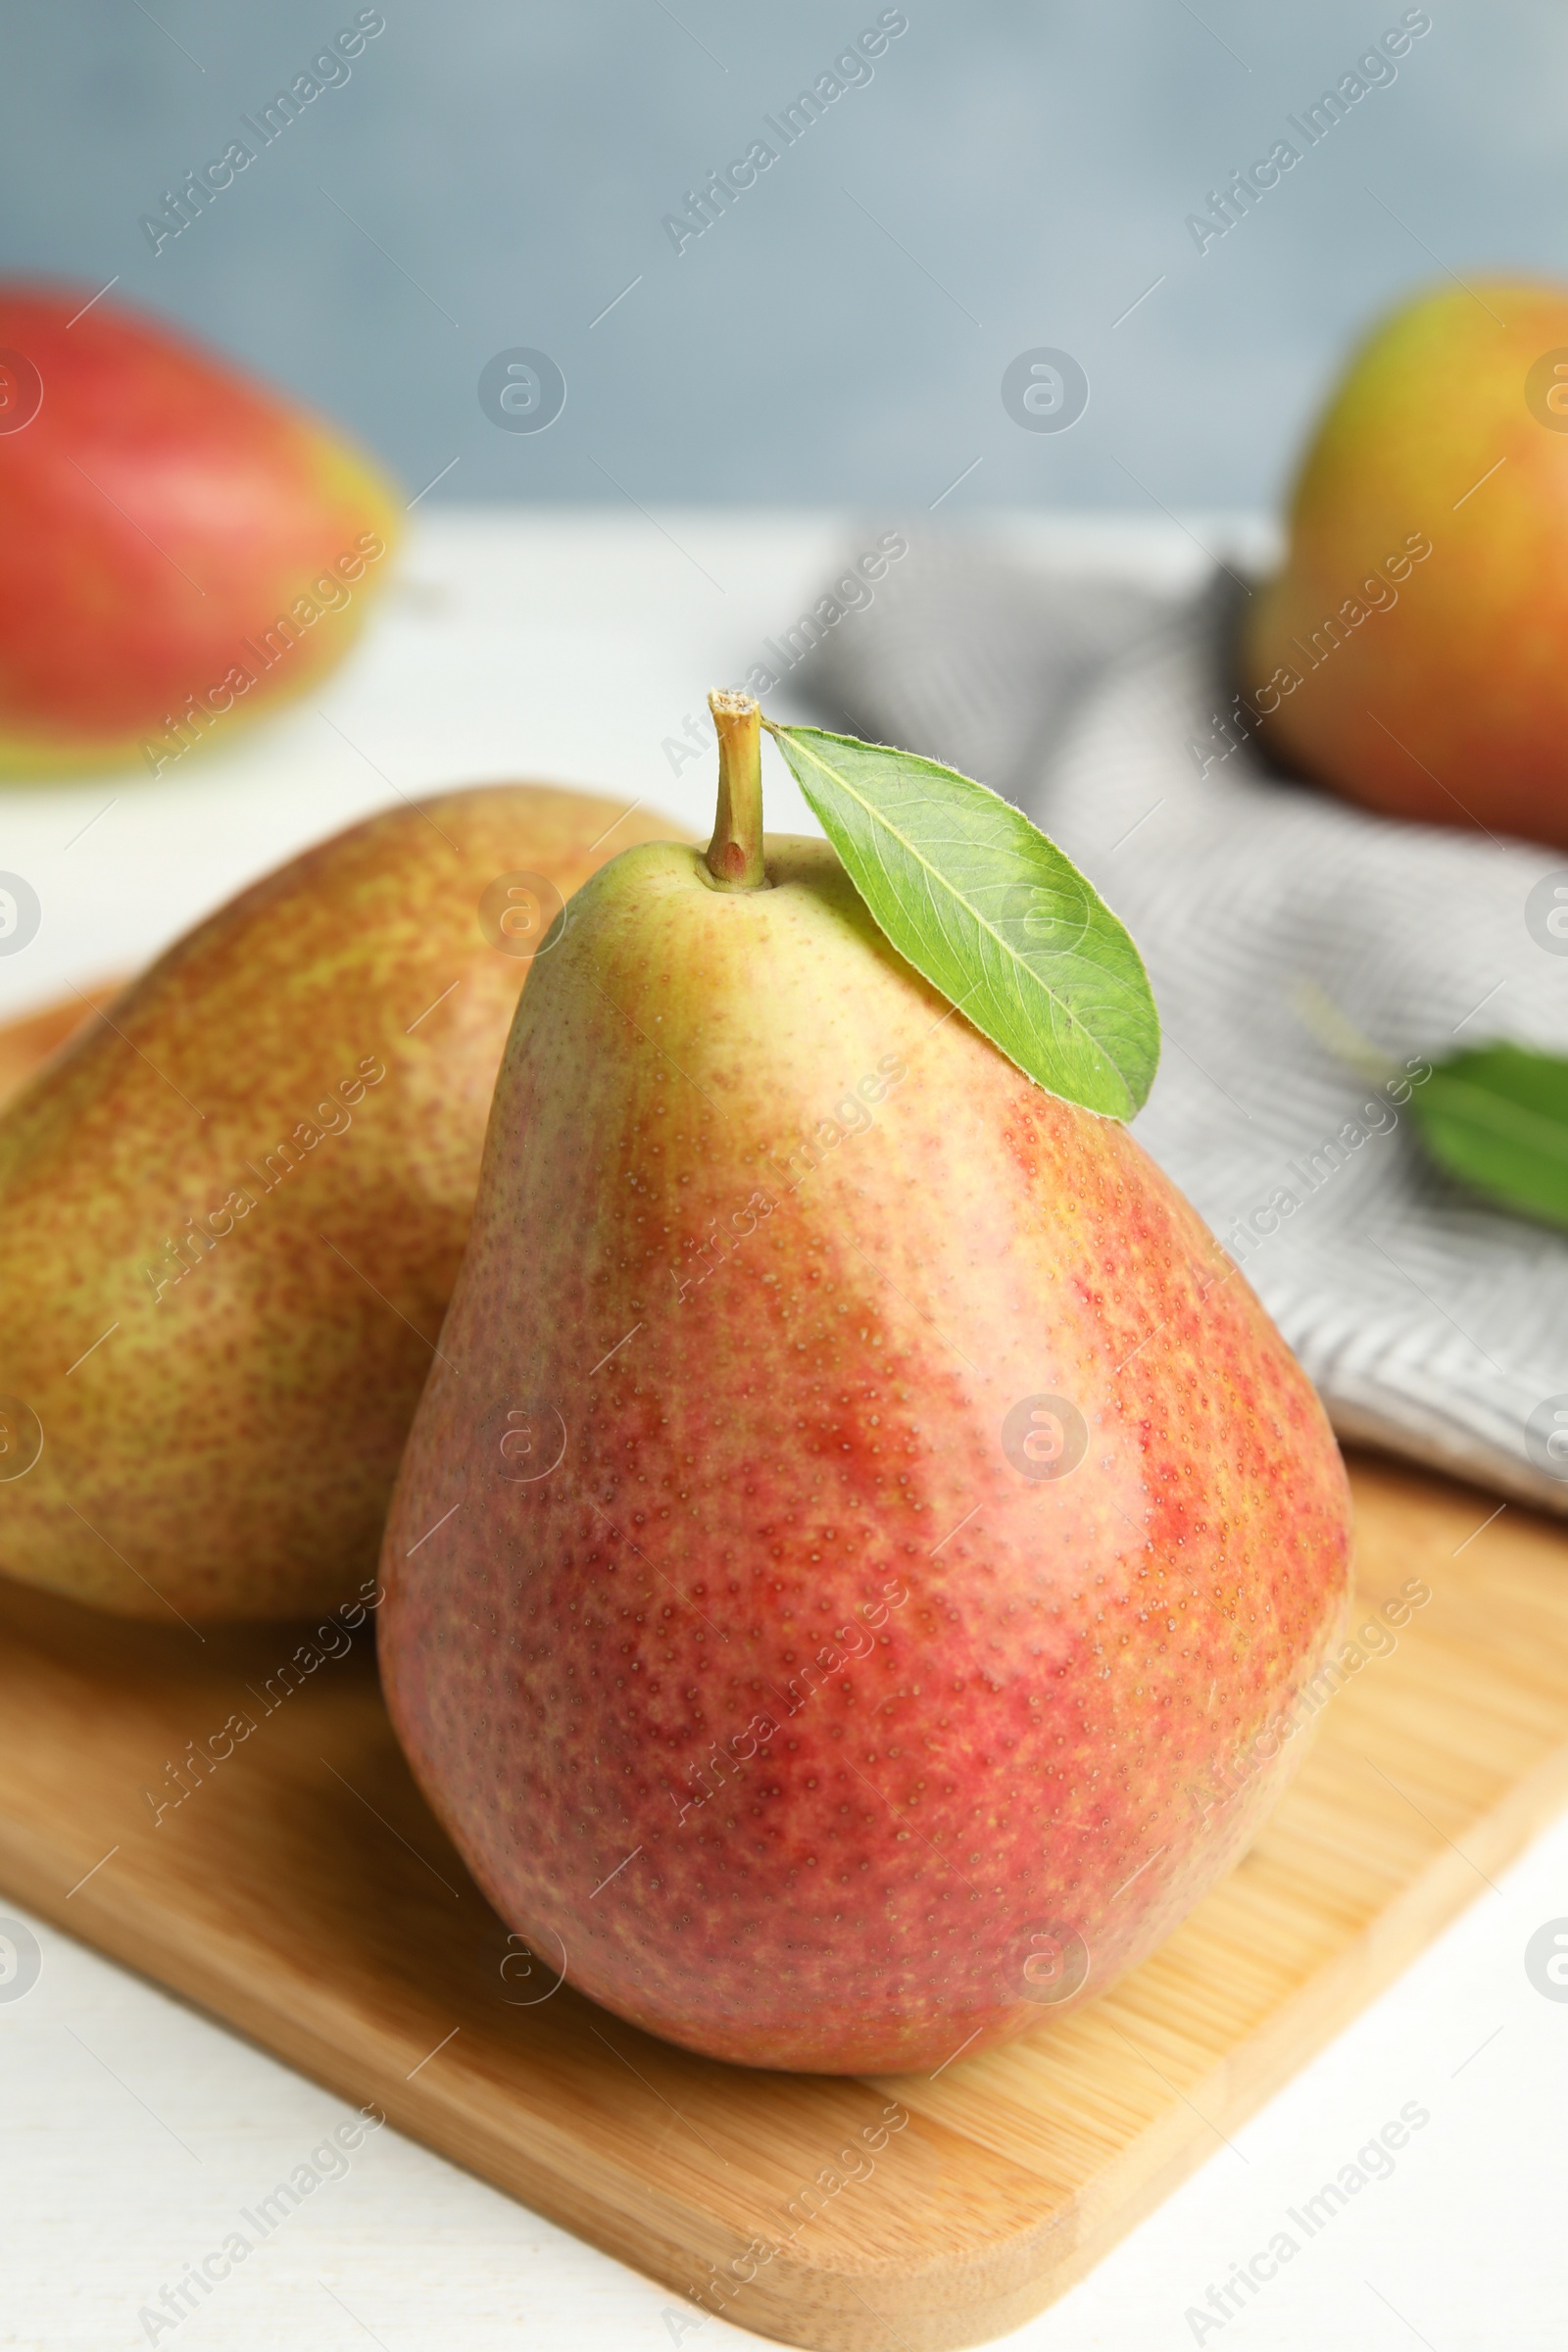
x,y
232,1211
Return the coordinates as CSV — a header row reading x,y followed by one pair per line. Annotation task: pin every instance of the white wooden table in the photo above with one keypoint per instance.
x,y
132,2132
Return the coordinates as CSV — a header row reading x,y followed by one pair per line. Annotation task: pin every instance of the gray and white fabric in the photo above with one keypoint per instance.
x,y
1433,1325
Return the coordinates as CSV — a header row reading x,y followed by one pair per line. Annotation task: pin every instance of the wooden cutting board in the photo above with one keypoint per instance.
x,y
302,1893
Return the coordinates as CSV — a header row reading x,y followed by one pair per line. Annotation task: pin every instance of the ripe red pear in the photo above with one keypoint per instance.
x,y
858,1520
184,547
1409,653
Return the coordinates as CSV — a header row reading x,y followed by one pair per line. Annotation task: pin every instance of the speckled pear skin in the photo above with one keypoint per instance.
x,y
749,1663
228,1448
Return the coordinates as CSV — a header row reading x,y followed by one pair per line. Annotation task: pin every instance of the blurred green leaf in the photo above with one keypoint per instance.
x,y
1498,1117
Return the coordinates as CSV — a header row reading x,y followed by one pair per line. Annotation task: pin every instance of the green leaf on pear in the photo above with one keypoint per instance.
x,y
1496,1117
991,913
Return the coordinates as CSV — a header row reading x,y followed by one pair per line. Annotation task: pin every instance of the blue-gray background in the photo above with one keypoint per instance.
x,y
1015,174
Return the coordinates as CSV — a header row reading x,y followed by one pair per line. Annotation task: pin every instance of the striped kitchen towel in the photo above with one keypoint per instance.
x,y
1433,1325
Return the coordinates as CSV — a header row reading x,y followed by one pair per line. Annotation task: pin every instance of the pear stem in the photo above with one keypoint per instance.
x,y
735,852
